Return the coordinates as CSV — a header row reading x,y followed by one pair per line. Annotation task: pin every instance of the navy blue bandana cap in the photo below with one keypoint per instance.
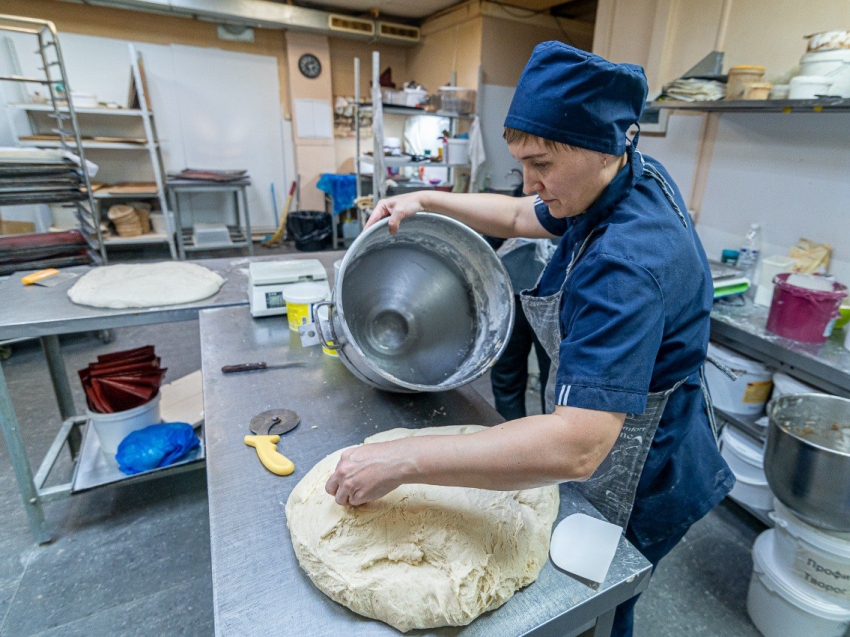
x,y
577,98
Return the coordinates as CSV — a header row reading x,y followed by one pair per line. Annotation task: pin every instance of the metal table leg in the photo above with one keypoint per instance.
x,y
21,464
242,196
174,204
61,387
604,624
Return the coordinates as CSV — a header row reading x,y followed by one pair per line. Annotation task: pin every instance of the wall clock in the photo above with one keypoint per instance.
x,y
309,66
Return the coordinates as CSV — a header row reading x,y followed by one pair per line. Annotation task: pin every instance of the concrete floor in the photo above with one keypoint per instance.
x,y
135,560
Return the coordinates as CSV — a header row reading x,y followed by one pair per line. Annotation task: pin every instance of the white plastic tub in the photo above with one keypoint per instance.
x,y
817,559
749,393
834,65
457,152
746,460
111,429
808,87
783,384
779,607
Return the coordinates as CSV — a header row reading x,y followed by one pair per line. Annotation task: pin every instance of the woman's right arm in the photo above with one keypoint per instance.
x,y
495,215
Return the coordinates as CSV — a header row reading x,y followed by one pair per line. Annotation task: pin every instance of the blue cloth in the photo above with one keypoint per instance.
x,y
571,96
635,319
155,446
341,188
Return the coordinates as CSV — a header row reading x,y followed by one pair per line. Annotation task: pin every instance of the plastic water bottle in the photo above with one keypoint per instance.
x,y
750,251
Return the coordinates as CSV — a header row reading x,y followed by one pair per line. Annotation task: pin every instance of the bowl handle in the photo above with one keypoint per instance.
x,y
329,343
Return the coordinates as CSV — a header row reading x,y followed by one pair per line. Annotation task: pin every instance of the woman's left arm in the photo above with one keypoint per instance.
x,y
520,454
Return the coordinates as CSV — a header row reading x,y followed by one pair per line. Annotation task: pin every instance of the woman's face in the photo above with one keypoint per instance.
x,y
568,180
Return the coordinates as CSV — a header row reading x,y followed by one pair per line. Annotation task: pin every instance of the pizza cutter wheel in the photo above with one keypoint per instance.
x,y
267,428
274,421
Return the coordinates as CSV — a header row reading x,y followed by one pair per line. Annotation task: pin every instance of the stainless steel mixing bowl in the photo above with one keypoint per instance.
x,y
807,457
428,309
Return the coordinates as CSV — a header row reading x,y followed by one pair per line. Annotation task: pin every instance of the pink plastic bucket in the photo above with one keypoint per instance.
x,y
801,314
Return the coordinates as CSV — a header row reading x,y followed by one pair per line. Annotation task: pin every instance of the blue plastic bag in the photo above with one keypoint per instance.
x,y
155,446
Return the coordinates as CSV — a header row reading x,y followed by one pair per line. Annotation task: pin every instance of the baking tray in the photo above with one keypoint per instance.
x,y
95,469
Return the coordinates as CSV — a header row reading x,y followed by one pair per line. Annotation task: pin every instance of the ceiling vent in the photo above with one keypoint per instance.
x,y
398,32
347,24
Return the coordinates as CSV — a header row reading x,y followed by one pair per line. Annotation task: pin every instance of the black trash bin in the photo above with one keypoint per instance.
x,y
311,229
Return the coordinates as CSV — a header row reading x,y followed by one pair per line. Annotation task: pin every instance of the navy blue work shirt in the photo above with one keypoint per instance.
x,y
635,319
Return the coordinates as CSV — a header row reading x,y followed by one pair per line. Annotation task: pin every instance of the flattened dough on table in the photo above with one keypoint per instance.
x,y
422,556
145,285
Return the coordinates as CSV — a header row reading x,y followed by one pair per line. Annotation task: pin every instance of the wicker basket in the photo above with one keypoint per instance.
x,y
126,220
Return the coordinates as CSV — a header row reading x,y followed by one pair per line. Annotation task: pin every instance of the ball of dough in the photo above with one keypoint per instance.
x,y
145,285
422,556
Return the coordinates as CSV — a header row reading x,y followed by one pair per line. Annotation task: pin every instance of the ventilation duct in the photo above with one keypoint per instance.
x,y
272,15
347,24
398,32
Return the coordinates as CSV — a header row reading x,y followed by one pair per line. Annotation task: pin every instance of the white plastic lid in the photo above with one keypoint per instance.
x,y
819,80
742,447
735,361
835,543
837,55
810,282
770,573
785,384
301,293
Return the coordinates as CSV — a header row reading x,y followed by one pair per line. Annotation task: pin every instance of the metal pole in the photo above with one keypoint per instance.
x,y
21,464
357,123
61,386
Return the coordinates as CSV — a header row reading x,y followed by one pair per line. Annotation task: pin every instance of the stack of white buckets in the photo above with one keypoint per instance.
x,y
825,71
800,585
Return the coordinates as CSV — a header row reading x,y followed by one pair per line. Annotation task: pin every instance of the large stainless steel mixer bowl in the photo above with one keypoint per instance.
x,y
428,309
807,458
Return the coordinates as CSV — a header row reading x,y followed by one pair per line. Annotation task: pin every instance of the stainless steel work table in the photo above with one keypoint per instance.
x,y
743,327
45,313
258,587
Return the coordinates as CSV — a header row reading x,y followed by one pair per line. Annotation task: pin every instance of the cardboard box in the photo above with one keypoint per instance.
x,y
16,227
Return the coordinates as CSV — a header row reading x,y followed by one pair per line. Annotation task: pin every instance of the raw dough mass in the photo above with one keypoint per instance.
x,y
422,556
145,285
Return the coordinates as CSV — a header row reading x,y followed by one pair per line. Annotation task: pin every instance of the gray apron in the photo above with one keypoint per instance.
x,y
612,487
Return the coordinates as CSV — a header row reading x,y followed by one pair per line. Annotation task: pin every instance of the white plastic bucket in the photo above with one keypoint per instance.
x,y
300,298
457,152
819,560
746,460
111,429
779,607
808,87
783,384
834,65
158,224
749,393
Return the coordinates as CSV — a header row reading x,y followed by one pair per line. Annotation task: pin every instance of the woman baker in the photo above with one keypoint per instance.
x,y
622,309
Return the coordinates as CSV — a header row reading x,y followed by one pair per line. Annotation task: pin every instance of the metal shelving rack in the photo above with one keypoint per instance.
x,y
378,143
66,123
122,116
822,105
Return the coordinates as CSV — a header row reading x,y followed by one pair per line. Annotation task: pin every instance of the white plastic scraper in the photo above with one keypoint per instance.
x,y
584,546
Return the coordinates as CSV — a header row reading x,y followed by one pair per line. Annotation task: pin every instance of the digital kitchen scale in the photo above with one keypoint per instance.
x,y
268,279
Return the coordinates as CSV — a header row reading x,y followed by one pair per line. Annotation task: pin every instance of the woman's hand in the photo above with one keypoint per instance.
x,y
367,472
397,208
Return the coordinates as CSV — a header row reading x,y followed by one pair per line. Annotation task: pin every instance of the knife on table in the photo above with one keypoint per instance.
x,y
252,367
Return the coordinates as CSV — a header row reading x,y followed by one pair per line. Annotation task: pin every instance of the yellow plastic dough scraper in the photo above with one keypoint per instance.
x,y
268,427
